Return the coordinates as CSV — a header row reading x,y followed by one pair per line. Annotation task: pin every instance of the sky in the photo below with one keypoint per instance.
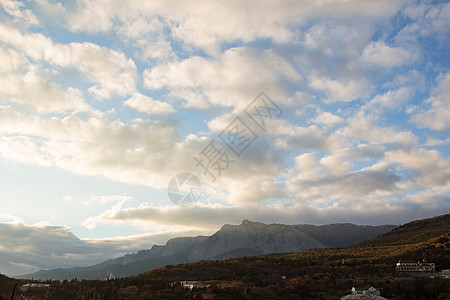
x,y
293,112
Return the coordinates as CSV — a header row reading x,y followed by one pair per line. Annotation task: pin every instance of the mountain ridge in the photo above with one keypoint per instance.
x,y
247,238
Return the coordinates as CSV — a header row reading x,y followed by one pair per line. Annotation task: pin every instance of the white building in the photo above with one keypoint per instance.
x,y
366,293
416,268
34,286
190,284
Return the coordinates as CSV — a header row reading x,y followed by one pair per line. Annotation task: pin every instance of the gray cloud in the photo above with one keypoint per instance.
x,y
28,248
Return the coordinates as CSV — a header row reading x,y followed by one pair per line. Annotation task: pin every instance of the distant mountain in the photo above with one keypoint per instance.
x,y
246,239
262,238
175,251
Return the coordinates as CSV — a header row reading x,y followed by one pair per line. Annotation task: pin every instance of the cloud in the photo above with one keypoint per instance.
x,y
392,99
290,136
29,248
199,26
13,61
362,152
248,191
384,56
112,72
306,165
224,81
149,35
32,45
20,15
105,199
94,146
148,105
416,159
342,189
428,20
328,119
436,116
363,127
335,166
140,152
345,91
93,16
50,8
432,142
39,94
367,211
91,222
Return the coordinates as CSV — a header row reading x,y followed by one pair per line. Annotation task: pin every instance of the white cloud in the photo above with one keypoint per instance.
x,y
429,20
412,78
149,35
289,136
228,80
328,119
363,127
50,8
392,99
251,191
139,152
206,25
368,210
384,56
362,152
427,171
91,222
335,166
93,16
109,198
148,105
32,45
306,163
20,15
111,70
348,90
96,145
39,94
432,142
12,61
417,159
437,116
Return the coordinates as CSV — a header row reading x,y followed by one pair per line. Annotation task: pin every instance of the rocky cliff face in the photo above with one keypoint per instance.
x,y
181,245
263,238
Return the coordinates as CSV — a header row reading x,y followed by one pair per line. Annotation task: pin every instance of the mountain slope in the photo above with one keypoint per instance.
x,y
263,238
344,234
414,232
248,238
